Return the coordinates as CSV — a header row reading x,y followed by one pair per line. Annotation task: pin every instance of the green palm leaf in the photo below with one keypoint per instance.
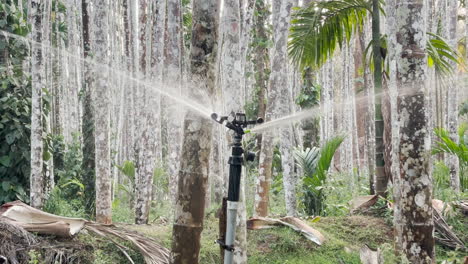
x,y
441,55
307,160
317,29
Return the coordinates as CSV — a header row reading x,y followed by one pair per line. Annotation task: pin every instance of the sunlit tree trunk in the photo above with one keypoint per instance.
x,y
146,146
101,100
414,225
159,25
37,180
280,88
192,182
233,86
172,79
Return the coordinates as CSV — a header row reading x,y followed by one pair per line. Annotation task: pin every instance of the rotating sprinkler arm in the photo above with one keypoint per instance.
x,y
235,121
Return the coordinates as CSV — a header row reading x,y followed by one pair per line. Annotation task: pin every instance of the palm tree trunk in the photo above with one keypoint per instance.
x,y
190,205
380,177
172,79
89,174
261,82
101,100
37,180
232,86
452,94
414,225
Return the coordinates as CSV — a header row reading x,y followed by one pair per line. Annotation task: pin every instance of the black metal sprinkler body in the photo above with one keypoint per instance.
x,y
236,122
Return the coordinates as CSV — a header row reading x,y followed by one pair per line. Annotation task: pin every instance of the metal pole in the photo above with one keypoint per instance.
x,y
235,170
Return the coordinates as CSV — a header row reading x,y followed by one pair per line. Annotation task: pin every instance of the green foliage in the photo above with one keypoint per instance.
x,y
128,187
59,26
187,22
122,211
445,144
317,29
15,106
309,95
67,197
315,164
441,178
34,256
441,55
58,203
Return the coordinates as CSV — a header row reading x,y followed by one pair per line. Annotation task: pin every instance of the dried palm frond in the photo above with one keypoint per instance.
x,y
34,220
444,235
149,248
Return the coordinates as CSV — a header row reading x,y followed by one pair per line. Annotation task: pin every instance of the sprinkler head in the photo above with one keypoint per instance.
x,y
214,116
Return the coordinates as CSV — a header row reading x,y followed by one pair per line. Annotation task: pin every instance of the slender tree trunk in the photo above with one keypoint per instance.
x,y
380,177
233,86
452,94
146,159
280,89
261,59
414,225
89,164
263,182
172,79
37,180
197,136
101,100
361,105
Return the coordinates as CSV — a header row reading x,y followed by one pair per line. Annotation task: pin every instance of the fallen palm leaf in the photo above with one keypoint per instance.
x,y
34,220
150,249
363,203
292,222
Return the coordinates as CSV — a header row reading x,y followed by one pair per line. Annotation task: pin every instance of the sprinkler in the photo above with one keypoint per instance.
x,y
237,122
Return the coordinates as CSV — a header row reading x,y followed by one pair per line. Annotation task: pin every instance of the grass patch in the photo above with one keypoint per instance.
x,y
345,236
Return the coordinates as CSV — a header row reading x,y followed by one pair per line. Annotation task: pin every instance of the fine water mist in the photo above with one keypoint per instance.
x,y
317,110
201,109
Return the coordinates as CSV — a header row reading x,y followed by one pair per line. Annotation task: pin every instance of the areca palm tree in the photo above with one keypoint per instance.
x,y
319,28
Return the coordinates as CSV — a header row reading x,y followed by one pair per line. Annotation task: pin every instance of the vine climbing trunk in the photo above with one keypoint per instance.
x,y
380,180
37,179
196,144
414,225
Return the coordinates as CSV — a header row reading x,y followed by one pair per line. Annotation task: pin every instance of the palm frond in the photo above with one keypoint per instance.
x,y
441,56
446,145
326,156
307,160
317,29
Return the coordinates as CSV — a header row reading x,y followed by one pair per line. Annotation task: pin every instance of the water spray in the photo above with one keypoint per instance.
x,y
237,122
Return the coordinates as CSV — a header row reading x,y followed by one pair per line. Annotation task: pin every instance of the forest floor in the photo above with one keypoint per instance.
x,y
345,236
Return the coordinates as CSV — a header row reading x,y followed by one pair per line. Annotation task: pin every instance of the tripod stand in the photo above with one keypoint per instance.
x,y
236,122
